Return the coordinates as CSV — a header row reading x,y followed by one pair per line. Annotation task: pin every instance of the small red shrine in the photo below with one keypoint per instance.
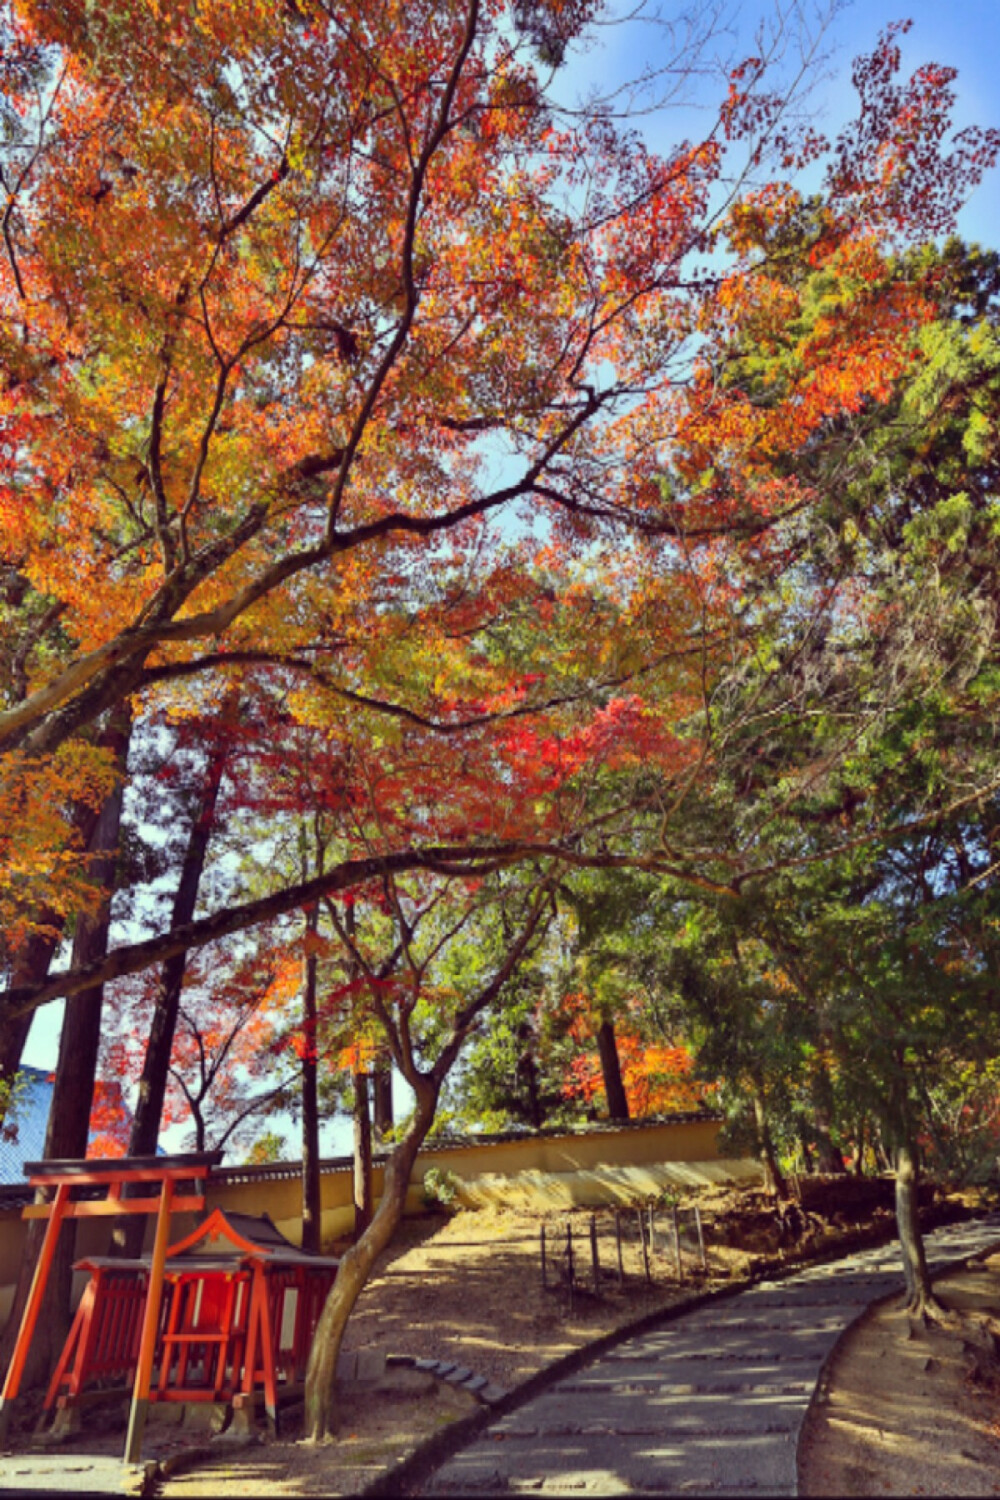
x,y
240,1306
225,1312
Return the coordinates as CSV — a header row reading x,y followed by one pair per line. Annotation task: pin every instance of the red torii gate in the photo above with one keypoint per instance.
x,y
162,1173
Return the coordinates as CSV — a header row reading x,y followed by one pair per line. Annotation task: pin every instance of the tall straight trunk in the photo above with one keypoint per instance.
x,y
311,1187
806,1150
382,1100
919,1292
73,1096
156,1064
858,1154
528,1070
614,1089
363,1192
354,1269
145,1132
774,1179
831,1161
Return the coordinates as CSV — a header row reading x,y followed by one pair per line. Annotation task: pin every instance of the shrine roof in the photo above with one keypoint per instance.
x,y
226,1236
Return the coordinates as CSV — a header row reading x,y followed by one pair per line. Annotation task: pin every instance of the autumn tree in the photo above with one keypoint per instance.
x,y
455,958
225,1073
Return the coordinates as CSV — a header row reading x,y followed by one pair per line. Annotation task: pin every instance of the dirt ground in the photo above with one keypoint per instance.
x,y
470,1288
909,1409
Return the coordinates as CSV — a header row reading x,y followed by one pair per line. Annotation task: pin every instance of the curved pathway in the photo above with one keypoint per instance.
x,y
713,1402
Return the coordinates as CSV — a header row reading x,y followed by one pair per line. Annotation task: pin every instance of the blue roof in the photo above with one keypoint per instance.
x,y
22,1134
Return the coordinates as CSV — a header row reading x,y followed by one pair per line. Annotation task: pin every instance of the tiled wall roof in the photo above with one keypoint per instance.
x,y
22,1135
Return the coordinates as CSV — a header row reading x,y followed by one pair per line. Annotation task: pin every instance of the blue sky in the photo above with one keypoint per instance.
x,y
964,35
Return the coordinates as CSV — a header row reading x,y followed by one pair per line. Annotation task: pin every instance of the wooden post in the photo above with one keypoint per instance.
x,y
150,1328
645,1247
569,1261
677,1243
267,1351
12,1384
618,1241
701,1238
593,1255
544,1279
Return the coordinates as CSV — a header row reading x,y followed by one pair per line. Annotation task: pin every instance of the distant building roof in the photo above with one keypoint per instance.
x,y
22,1134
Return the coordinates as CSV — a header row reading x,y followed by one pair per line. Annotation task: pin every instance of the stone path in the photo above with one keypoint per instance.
x,y
74,1474
712,1402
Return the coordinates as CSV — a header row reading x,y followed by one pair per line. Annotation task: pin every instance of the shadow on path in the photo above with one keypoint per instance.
x,y
713,1402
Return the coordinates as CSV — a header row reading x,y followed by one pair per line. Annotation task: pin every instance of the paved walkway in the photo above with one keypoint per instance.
x,y
712,1402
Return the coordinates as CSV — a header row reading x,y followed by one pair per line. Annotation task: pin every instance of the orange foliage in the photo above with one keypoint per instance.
x,y
658,1079
110,1120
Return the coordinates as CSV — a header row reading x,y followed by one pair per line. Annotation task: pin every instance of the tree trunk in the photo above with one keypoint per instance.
x,y
145,1132
382,1100
311,1188
156,1065
72,1098
774,1180
881,1154
355,1267
831,1161
919,1292
614,1089
806,1150
363,1197
527,1073
858,1154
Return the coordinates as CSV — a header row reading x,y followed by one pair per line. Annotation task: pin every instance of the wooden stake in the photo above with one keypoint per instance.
x,y
569,1261
652,1236
544,1277
618,1242
677,1243
593,1254
701,1238
645,1247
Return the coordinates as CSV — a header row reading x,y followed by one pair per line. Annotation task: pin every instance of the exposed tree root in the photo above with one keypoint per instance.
x,y
925,1309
